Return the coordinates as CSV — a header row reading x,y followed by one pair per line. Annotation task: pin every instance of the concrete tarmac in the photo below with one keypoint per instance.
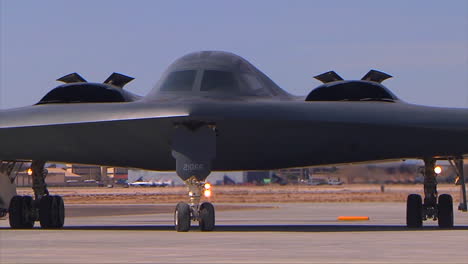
x,y
265,233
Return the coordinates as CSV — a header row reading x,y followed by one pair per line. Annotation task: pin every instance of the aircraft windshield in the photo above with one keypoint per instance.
x,y
179,81
218,81
208,73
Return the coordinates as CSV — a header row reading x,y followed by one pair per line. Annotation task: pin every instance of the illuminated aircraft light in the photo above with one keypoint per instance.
x,y
30,171
353,218
438,170
207,193
207,186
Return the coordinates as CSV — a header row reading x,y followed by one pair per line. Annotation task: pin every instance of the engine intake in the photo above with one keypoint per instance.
x,y
77,90
369,88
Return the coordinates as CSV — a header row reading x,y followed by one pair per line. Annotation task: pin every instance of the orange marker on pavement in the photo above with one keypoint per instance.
x,y
353,218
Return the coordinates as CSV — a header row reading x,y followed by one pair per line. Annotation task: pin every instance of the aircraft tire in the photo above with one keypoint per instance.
x,y
445,211
60,214
414,211
27,211
20,212
182,217
45,217
51,212
207,217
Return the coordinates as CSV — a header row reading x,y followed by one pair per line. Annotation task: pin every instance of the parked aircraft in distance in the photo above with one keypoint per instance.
x,y
214,111
142,183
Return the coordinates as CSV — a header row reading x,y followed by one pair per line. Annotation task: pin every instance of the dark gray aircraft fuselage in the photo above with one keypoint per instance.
x,y
258,135
258,127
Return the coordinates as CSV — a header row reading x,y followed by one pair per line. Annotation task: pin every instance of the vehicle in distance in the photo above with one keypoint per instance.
x,y
141,183
334,182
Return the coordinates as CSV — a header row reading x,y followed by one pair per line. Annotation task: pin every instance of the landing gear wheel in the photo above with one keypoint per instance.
x,y
20,212
414,211
445,211
51,212
182,217
27,211
60,211
207,217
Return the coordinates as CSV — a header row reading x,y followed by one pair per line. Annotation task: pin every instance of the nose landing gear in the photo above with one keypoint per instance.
x,y
194,148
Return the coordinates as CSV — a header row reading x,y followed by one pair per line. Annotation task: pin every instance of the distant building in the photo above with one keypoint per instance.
x,y
87,172
118,173
93,172
60,174
55,176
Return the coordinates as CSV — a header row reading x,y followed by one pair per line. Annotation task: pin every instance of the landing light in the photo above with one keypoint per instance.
x,y
438,170
207,191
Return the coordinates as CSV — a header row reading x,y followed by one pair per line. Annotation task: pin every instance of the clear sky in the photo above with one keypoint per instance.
x,y
424,44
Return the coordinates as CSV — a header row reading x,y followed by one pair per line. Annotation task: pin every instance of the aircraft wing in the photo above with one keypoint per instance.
x,y
252,135
118,134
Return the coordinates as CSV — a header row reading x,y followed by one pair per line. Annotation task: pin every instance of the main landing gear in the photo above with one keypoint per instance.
x,y
48,209
436,207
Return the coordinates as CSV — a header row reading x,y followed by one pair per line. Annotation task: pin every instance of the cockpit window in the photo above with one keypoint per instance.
x,y
218,81
179,81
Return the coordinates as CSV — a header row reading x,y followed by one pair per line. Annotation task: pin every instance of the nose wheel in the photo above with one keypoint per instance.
x,y
206,217
184,214
182,217
194,211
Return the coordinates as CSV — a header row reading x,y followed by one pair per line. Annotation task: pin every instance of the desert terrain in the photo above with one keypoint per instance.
x,y
243,194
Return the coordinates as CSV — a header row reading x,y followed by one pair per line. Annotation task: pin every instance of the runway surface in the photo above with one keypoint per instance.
x,y
261,233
